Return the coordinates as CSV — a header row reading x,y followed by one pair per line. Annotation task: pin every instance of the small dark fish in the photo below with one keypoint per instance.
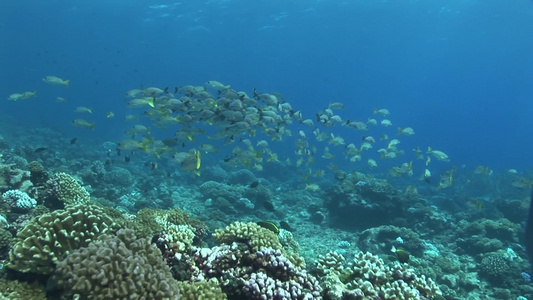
x,y
127,159
118,152
40,149
170,142
166,90
286,226
269,205
402,255
175,89
153,165
227,159
269,225
254,184
73,141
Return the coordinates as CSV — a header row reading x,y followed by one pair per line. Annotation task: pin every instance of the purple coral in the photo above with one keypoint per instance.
x,y
18,200
264,274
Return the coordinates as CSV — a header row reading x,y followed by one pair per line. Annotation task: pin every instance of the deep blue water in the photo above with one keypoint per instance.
x,y
459,72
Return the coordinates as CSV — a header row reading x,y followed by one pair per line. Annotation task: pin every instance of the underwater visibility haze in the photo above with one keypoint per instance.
x,y
232,149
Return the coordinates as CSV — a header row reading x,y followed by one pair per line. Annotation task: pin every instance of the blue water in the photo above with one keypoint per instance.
x,y
459,72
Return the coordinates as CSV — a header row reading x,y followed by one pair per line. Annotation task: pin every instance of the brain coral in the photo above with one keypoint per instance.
x,y
46,239
117,267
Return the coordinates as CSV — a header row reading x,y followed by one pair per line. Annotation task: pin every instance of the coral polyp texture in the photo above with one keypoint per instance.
x,y
18,200
368,277
252,234
115,268
47,239
65,189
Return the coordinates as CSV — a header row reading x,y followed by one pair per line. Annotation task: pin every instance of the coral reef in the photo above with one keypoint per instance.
x,y
46,239
150,222
18,200
117,267
368,277
496,268
255,236
65,190
201,290
16,290
13,178
246,274
37,174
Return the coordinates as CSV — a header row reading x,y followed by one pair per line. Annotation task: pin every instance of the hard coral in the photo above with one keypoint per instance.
x,y
117,267
18,200
46,239
65,189
245,274
15,290
368,277
252,234
201,290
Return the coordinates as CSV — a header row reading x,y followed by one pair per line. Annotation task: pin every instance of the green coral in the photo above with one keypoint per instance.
x,y
115,268
203,290
252,234
6,238
69,191
15,290
150,222
46,239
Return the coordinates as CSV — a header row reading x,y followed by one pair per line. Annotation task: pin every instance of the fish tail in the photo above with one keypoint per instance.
x,y
66,82
198,160
151,102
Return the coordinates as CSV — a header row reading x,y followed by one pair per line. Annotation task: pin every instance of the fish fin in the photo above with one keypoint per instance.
x,y
66,82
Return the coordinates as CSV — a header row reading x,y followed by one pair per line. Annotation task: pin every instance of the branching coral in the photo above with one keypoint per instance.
x,y
368,277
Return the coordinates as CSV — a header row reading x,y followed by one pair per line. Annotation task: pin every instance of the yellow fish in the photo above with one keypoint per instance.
x,y
191,162
83,109
82,123
53,80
